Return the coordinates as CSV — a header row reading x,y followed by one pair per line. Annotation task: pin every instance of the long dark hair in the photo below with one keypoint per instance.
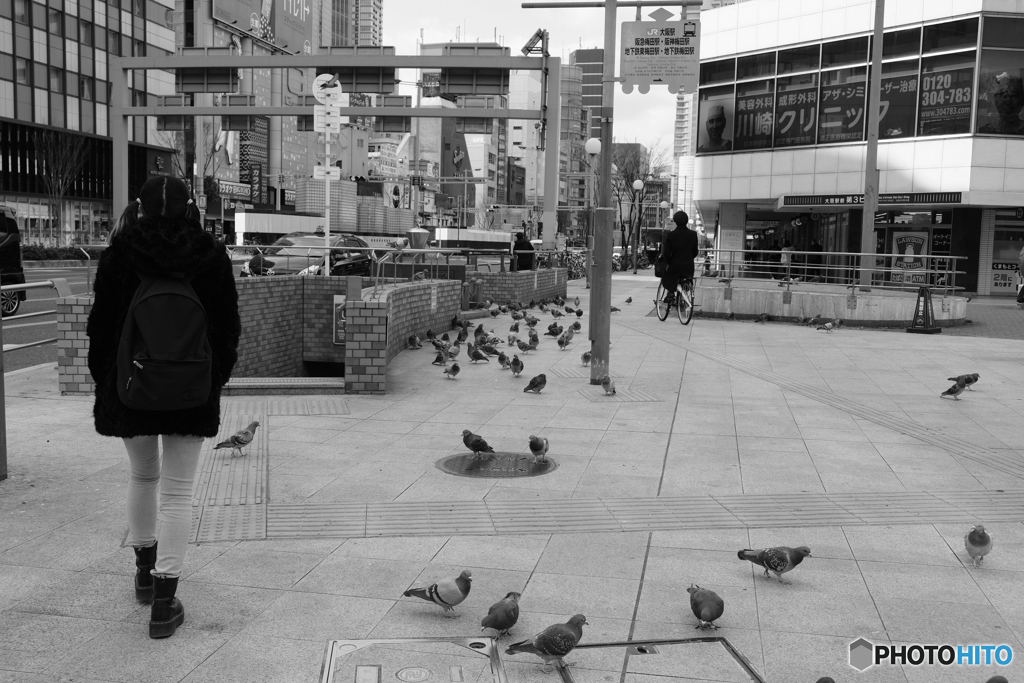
x,y
162,196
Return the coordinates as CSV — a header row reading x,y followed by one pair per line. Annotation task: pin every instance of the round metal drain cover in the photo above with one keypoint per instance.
x,y
496,466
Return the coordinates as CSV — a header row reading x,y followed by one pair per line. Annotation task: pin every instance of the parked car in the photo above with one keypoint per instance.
x,y
11,272
302,253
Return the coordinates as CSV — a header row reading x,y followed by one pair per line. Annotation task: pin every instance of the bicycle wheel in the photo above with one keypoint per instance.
x,y
684,303
661,303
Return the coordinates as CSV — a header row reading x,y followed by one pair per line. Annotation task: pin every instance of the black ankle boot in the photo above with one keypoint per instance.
x,y
145,560
168,612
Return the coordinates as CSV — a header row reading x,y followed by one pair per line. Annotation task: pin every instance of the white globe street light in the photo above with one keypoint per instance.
x,y
593,146
638,186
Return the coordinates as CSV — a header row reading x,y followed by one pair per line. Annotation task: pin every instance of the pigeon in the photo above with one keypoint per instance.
x,y
239,440
706,605
827,679
763,318
778,561
534,337
414,342
556,314
579,313
539,447
608,385
629,300
444,337
516,365
955,390
585,358
968,380
726,281
576,326
514,328
489,350
537,383
827,327
517,316
615,310
399,245
461,336
576,302
554,642
569,334
475,443
440,359
479,330
495,312
446,593
562,342
502,615
553,332
523,347
978,543
431,335
815,321
502,360
570,310
452,371
453,352
475,356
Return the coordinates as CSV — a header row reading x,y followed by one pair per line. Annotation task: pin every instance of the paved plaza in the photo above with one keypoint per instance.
x,y
722,436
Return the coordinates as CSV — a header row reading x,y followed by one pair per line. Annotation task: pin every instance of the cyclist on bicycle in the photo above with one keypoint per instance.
x,y
679,250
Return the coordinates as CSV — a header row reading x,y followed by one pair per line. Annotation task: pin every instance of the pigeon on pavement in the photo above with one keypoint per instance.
x,y
240,439
576,326
608,385
439,359
778,561
446,593
539,447
576,302
562,342
502,360
585,358
475,356
827,327
955,390
516,365
452,371
554,642
431,335
706,605
978,543
475,443
968,380
629,300
615,310
537,383
502,615
414,342
523,346
453,352
579,313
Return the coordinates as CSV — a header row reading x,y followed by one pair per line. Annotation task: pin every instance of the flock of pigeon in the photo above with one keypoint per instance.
x,y
558,640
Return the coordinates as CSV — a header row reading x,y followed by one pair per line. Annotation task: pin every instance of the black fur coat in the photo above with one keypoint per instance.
x,y
160,245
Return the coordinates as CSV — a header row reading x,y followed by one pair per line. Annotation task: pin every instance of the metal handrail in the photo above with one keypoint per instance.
x,y
937,272
63,290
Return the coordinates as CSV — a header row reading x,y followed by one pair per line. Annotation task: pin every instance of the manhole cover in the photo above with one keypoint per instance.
x,y
496,466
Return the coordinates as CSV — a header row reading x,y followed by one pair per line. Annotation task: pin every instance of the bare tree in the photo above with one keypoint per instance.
x,y
181,144
632,162
60,156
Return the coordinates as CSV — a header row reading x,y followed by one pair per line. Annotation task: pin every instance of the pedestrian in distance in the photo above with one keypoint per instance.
x,y
163,338
525,261
679,249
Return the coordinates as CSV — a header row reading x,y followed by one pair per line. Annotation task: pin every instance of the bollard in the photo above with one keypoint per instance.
x,y
477,293
465,295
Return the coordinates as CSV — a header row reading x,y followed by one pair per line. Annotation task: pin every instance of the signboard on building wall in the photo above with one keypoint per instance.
x,y
339,319
286,23
796,110
899,102
754,120
946,98
715,120
1004,276
907,250
841,118
660,53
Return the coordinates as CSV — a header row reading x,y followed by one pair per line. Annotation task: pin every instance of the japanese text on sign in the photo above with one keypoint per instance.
x,y
660,52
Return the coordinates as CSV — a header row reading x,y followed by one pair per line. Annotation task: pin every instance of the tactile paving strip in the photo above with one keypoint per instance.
x,y
223,480
597,395
579,372
1006,462
638,514
234,523
286,406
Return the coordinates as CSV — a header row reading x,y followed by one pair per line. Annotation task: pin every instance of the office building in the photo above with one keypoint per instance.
x,y
781,144
368,22
341,15
591,63
525,92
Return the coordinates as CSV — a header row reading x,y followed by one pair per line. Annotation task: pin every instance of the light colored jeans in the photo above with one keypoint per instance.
x,y
174,482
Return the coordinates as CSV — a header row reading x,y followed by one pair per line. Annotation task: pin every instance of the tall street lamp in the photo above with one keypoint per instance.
x,y
593,148
638,186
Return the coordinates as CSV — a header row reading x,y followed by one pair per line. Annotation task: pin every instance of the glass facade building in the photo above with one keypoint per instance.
x,y
781,128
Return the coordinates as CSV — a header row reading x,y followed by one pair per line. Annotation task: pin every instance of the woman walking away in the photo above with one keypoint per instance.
x,y
163,338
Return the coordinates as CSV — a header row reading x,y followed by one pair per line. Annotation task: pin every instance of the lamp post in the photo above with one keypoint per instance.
x,y
593,148
638,187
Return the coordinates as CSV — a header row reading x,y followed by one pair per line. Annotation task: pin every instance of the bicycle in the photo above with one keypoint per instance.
x,y
683,301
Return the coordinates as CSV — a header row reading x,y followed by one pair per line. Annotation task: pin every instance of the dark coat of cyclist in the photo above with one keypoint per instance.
x,y
679,249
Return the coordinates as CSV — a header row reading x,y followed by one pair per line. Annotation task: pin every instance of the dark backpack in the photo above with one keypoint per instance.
x,y
164,360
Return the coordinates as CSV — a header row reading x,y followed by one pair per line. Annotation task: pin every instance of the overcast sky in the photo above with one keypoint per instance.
x,y
639,118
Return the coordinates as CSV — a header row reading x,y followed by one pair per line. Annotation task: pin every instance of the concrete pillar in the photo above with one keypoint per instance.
x,y
732,222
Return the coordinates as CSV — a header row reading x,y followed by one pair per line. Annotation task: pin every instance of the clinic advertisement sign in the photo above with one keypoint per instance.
x,y
907,250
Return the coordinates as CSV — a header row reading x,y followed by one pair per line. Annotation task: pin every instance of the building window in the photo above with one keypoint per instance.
x,y
721,71
899,99
56,80
901,43
85,33
70,27
952,35
22,72
21,11
799,59
753,66
38,15
85,86
841,115
843,52
1001,92
113,42
947,84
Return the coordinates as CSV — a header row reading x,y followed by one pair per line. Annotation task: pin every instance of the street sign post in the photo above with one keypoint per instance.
x,y
326,88
660,53
326,121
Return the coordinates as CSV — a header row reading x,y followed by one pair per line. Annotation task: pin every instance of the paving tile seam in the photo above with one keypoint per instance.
x,y
1002,462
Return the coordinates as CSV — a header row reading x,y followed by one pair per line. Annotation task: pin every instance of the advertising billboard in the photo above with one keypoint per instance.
x,y
946,96
907,249
754,108
715,120
796,110
285,23
842,105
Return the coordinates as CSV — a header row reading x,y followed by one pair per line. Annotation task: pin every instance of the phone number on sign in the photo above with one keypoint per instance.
x,y
945,111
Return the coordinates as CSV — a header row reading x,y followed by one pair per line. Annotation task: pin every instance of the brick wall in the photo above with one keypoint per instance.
x,y
366,346
411,311
73,346
272,327
523,285
318,319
